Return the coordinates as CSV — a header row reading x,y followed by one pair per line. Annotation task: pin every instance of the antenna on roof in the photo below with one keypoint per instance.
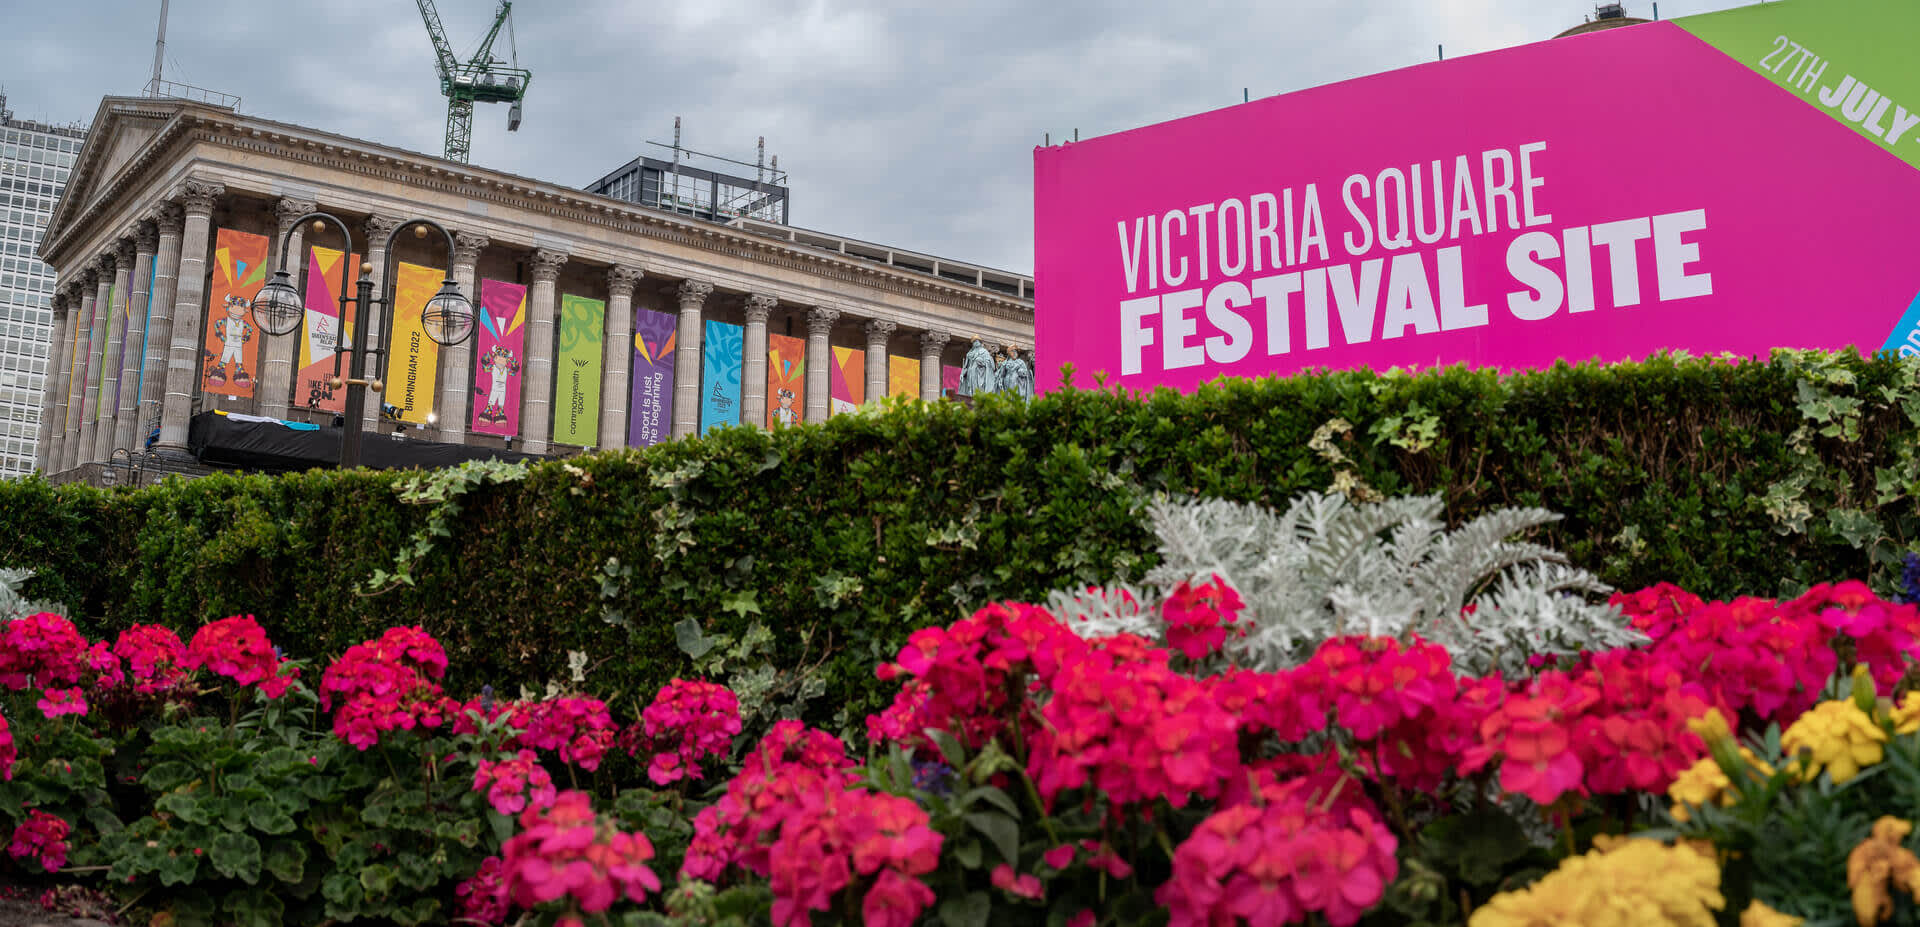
x,y
676,139
760,161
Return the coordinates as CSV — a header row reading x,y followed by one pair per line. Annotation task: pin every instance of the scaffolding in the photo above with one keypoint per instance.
x,y
678,185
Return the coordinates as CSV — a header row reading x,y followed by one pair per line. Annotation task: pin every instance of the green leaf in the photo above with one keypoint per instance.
x,y
236,856
691,639
378,879
287,861
992,796
266,817
256,908
165,777
969,910
950,749
1002,830
178,868
967,854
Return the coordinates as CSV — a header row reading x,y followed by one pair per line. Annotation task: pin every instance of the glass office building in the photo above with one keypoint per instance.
x,y
34,161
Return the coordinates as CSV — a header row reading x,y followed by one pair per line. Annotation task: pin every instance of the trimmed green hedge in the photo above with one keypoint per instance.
x,y
1726,478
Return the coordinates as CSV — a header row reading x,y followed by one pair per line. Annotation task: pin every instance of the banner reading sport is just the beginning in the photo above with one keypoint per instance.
x,y
1731,182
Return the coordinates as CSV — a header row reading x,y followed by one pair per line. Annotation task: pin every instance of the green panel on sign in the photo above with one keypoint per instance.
x,y
1851,59
576,390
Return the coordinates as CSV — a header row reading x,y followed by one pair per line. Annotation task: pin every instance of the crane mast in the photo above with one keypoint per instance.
x,y
481,79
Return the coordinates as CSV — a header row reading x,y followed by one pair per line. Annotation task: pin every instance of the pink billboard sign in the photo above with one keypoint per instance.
x,y
1605,196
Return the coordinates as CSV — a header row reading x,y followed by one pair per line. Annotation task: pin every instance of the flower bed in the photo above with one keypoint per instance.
x,y
1751,763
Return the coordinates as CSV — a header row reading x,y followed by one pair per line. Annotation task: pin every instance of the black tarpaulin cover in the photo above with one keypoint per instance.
x,y
250,444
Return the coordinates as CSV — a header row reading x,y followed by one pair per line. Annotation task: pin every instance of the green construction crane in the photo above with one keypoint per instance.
x,y
482,79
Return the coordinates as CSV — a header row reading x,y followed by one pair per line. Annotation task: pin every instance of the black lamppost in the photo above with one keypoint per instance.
x,y
447,317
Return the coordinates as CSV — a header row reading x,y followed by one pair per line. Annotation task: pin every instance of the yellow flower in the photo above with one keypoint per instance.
x,y
1711,727
1906,717
1759,915
1837,736
1877,863
1625,883
1705,782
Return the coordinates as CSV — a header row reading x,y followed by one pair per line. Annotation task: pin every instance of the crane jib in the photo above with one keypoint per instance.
x,y
481,79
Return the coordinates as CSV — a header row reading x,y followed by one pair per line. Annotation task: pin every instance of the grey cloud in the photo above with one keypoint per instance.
x,y
910,123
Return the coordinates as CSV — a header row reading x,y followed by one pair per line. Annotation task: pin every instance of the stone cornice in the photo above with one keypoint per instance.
x,y
190,123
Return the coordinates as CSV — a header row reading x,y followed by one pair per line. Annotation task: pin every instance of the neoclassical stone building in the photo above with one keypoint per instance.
x,y
157,177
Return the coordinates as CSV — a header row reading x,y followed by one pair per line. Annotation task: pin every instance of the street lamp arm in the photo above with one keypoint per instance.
x,y
287,238
388,284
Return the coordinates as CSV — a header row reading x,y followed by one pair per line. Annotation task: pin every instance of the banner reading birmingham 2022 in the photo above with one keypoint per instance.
x,y
413,367
1731,182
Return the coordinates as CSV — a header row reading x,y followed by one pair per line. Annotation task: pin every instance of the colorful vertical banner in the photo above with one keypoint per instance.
x,y
146,331
413,364
77,368
949,381
720,375
231,353
106,362
786,379
650,411
576,399
847,381
499,352
903,376
120,363
322,331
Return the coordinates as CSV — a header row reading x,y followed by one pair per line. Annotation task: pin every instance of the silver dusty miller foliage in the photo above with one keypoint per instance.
x,y
1328,566
12,603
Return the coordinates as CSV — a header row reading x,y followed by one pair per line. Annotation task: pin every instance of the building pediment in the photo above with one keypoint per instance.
x,y
123,128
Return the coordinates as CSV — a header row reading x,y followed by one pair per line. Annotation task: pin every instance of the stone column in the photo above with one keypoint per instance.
x,y
753,370
932,346
53,404
115,357
183,355
168,219
820,321
456,361
278,351
687,357
97,360
70,454
617,364
145,240
878,331
536,383
378,229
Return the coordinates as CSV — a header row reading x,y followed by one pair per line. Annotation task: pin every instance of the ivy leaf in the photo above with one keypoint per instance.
x,y
236,856
692,641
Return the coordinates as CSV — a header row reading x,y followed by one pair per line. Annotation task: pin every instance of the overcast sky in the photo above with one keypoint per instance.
x,y
908,123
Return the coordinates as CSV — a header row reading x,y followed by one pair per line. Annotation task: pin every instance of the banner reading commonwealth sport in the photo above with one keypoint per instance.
x,y
322,328
720,376
786,380
576,399
949,381
847,381
1731,182
500,351
650,411
414,366
231,353
903,376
